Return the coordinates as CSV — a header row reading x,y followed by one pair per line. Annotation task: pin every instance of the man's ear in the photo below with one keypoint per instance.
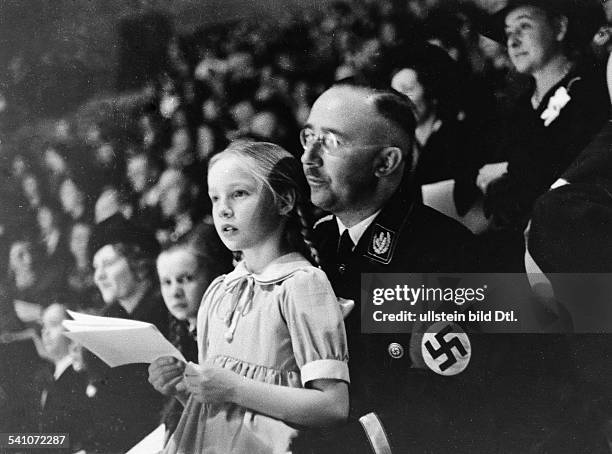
x,y
387,161
286,203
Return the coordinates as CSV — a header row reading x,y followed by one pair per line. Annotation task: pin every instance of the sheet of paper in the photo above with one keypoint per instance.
x,y
120,341
152,443
104,321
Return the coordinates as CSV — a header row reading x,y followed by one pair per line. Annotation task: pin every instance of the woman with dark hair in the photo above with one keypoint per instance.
x,y
446,147
563,107
125,406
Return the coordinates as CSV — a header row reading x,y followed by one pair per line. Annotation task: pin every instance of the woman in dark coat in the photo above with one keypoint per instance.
x,y
564,105
448,147
125,406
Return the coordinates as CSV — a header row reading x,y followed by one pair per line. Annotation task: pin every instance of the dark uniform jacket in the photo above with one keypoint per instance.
x,y
417,407
506,398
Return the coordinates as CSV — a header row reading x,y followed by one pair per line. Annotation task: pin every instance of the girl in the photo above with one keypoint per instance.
x,y
272,346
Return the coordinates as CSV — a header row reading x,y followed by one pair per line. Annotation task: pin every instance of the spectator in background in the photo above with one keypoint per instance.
x,y
54,160
82,291
19,166
124,406
551,122
27,280
242,113
142,174
569,240
143,171
180,154
32,191
178,204
152,133
274,122
595,161
74,200
210,140
64,404
24,293
53,239
447,146
111,201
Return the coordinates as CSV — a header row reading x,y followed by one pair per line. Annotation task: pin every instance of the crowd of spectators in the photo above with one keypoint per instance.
x,y
144,154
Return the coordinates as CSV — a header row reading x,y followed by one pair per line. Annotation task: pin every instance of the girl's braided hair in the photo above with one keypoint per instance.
x,y
281,173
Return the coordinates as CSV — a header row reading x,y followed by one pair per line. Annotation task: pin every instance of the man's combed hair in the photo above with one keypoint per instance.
x,y
393,106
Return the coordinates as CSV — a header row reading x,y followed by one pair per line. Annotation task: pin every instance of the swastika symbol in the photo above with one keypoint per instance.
x,y
446,348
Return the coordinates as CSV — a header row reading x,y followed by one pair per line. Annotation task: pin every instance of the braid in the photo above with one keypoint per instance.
x,y
305,232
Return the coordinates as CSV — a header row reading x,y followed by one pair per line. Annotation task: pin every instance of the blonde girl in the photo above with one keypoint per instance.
x,y
271,340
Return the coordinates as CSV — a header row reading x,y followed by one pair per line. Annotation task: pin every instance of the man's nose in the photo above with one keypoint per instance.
x,y
513,39
312,154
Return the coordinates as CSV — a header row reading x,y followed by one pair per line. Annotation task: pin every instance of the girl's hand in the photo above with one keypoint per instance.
x,y
211,384
165,373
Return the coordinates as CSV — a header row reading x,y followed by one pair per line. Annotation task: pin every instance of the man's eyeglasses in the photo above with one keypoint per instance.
x,y
329,141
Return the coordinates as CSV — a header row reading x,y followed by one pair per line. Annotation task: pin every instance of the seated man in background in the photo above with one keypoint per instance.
x,y
64,403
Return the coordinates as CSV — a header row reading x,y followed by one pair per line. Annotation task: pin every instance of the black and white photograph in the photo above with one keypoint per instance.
x,y
306,226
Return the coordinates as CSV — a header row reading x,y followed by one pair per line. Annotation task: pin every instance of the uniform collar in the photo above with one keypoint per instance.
x,y
356,231
380,240
276,271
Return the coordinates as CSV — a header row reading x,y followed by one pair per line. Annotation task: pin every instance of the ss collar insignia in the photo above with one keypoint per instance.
x,y
382,244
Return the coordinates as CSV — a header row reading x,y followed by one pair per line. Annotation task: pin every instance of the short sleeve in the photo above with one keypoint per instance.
x,y
314,319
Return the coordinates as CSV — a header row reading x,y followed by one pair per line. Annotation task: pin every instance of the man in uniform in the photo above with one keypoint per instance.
x,y
358,160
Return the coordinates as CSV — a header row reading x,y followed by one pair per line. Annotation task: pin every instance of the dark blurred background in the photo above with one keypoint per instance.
x,y
57,53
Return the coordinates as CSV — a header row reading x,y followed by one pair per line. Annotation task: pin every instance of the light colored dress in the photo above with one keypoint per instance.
x,y
283,326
